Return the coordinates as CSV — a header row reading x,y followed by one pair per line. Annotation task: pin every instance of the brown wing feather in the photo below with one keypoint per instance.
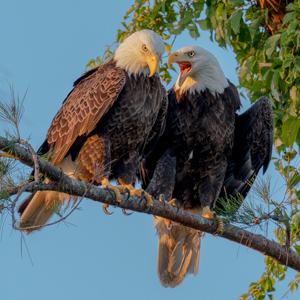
x,y
83,109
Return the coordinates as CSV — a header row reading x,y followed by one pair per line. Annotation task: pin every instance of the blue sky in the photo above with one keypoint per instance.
x,y
45,46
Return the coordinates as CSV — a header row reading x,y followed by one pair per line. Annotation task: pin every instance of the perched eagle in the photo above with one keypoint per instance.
x,y
206,146
114,114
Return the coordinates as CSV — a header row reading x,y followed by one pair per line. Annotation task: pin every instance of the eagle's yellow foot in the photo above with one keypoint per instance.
x,y
142,194
175,202
118,190
209,214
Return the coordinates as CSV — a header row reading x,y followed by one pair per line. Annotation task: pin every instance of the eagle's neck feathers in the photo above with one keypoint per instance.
x,y
131,61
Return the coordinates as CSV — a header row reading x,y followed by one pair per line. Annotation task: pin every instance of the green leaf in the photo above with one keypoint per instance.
x,y
219,10
293,180
294,131
253,27
275,79
292,26
168,48
188,16
235,3
163,6
129,10
286,130
235,20
280,235
290,7
203,24
272,279
278,142
287,62
271,44
288,17
296,221
155,10
244,35
297,249
283,37
193,31
264,284
274,92
138,3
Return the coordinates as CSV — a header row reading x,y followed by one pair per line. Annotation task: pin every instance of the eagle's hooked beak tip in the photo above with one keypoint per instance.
x,y
152,64
172,58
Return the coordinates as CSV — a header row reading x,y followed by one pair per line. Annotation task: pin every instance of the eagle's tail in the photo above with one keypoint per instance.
x,y
178,252
38,209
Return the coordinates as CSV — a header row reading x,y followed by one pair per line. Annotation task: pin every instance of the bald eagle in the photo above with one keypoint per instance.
x,y
113,115
205,148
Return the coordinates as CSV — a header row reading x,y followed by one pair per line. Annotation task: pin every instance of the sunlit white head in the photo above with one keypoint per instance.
x,y
199,70
140,53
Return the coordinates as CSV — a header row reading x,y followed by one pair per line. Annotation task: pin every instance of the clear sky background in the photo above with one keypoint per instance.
x,y
44,46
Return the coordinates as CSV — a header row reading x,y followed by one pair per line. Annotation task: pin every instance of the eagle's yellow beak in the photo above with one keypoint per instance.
x,y
185,66
152,64
173,58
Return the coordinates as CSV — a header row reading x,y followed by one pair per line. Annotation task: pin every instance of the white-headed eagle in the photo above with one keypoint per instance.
x,y
114,114
206,148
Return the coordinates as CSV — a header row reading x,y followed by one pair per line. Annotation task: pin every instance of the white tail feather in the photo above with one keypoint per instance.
x,y
178,252
44,203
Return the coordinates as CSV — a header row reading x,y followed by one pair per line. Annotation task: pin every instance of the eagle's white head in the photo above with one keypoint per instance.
x,y
140,53
199,70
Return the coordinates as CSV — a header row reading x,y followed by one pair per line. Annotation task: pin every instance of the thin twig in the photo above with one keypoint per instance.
x,y
35,159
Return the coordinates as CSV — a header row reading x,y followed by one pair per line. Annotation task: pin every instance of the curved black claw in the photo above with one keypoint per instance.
x,y
177,205
149,208
162,199
105,206
128,193
215,216
143,196
110,192
125,213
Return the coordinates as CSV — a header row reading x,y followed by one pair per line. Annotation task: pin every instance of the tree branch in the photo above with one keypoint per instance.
x,y
70,186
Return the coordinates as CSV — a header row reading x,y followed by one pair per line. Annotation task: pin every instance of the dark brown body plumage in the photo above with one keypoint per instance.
x,y
107,118
107,121
207,145
206,149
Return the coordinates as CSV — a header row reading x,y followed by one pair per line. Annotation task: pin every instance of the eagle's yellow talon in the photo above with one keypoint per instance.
x,y
175,202
209,214
125,213
105,206
140,193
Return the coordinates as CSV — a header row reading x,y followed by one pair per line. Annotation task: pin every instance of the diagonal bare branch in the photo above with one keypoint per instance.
x,y
70,186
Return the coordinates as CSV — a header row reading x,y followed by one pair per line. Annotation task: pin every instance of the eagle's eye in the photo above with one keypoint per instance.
x,y
191,54
145,48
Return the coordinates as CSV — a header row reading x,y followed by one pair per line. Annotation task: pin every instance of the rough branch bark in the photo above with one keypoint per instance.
x,y
68,185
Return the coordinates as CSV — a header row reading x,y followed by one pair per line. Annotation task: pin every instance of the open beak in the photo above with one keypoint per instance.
x,y
152,64
184,65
